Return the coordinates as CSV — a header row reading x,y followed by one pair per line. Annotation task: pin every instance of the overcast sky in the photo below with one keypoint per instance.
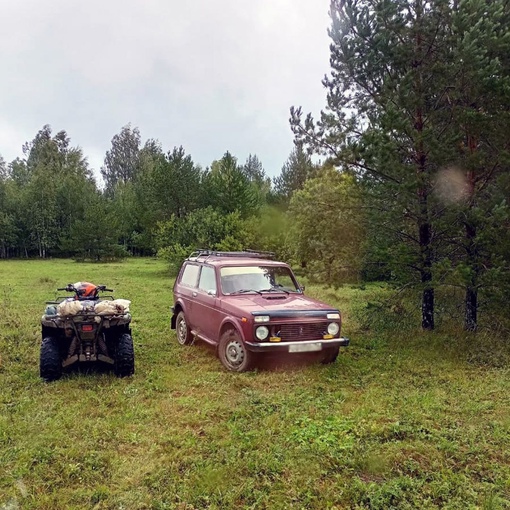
x,y
210,75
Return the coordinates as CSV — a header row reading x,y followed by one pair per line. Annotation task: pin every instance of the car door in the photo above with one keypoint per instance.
x,y
188,290
206,305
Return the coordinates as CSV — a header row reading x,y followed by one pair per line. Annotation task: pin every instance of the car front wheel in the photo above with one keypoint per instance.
x,y
330,355
233,353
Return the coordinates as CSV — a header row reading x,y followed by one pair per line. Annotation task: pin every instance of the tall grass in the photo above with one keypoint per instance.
x,y
404,419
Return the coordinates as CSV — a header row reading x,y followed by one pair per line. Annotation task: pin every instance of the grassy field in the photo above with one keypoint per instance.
x,y
402,420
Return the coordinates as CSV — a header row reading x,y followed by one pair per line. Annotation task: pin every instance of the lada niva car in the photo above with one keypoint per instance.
x,y
246,304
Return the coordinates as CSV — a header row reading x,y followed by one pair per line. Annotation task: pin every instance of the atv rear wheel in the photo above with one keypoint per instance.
x,y
50,363
124,356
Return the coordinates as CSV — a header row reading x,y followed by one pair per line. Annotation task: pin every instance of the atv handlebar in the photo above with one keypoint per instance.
x,y
68,288
103,288
71,288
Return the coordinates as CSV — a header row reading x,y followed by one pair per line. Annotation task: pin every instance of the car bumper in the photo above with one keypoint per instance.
x,y
303,346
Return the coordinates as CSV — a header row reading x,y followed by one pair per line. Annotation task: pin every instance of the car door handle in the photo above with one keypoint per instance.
x,y
194,294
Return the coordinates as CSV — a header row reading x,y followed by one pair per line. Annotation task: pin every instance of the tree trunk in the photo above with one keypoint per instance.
x,y
471,312
471,299
424,226
425,231
427,304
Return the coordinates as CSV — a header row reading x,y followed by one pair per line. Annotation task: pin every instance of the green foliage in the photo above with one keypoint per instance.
x,y
269,230
204,228
386,309
94,237
175,254
296,170
123,159
327,227
49,190
172,185
228,188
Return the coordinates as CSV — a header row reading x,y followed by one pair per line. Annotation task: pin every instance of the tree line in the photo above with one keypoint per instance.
x,y
152,201
413,187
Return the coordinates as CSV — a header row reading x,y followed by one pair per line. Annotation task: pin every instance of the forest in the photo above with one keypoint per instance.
x,y
403,178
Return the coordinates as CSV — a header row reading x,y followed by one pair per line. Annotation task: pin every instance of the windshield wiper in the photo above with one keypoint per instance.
x,y
244,291
276,288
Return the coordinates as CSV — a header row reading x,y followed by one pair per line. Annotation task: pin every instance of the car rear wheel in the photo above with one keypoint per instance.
x,y
233,353
184,336
329,355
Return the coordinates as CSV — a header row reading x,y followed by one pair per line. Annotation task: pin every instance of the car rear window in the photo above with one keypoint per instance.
x,y
190,275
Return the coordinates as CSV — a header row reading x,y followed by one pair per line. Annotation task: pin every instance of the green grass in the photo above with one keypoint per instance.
x,y
402,420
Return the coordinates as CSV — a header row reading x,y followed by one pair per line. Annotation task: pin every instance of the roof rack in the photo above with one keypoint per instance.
x,y
245,253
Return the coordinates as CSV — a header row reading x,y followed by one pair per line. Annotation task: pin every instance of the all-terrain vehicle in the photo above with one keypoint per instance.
x,y
86,329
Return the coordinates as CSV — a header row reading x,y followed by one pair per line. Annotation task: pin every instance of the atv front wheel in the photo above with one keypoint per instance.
x,y
124,356
50,364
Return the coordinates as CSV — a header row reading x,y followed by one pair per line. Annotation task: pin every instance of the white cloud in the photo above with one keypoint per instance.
x,y
211,76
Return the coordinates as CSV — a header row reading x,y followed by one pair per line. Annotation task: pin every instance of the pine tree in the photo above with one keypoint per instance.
x,y
123,159
296,170
386,120
228,188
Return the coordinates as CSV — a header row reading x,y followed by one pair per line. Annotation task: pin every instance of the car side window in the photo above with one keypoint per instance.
x,y
190,275
207,279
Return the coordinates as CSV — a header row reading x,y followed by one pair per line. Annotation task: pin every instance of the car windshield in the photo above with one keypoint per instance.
x,y
260,279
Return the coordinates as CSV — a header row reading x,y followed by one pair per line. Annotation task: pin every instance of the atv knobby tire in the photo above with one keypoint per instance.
x,y
50,364
124,356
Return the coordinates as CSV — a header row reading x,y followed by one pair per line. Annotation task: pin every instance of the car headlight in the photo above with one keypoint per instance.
x,y
333,328
333,316
262,332
261,318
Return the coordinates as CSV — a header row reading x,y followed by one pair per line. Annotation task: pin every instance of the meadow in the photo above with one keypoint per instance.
x,y
403,419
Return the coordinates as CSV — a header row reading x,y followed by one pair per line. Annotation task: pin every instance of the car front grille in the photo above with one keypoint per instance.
x,y
297,332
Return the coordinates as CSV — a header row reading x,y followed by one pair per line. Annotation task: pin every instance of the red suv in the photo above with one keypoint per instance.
x,y
245,303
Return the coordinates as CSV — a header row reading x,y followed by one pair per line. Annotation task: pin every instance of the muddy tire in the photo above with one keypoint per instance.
x,y
330,355
184,336
233,353
124,357
50,363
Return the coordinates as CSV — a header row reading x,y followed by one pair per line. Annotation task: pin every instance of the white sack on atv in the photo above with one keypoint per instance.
x,y
69,308
115,307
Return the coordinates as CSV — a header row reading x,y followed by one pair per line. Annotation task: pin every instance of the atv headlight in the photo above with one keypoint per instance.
x,y
262,332
333,328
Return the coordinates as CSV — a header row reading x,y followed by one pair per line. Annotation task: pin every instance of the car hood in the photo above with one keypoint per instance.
x,y
276,305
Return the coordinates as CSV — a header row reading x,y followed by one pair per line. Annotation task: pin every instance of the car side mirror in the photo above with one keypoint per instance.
x,y
302,288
